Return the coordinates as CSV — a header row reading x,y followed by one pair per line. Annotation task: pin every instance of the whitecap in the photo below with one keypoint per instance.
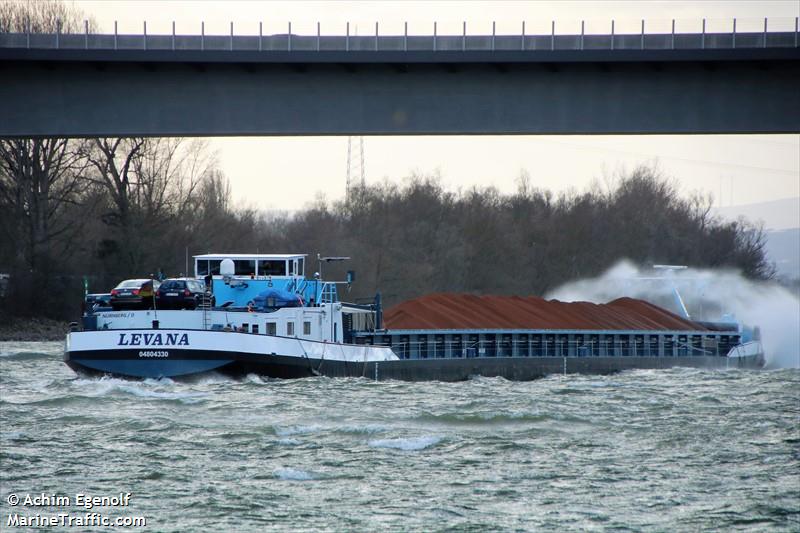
x,y
96,387
158,381
211,378
293,474
255,379
163,395
409,444
289,442
366,429
286,431
142,389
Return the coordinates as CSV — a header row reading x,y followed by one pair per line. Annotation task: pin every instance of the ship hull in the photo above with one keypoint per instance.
x,y
195,359
529,368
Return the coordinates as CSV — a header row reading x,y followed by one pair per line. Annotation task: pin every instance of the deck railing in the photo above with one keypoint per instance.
x,y
613,35
667,346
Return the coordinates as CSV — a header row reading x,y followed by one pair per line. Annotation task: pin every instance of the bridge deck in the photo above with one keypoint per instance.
x,y
126,85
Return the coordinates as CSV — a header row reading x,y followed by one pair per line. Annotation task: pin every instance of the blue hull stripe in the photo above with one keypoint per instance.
x,y
151,368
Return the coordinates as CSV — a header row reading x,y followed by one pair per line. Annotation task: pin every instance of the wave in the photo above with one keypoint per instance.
x,y
24,356
298,430
288,431
14,435
407,444
208,378
148,388
491,418
31,350
255,379
367,429
293,474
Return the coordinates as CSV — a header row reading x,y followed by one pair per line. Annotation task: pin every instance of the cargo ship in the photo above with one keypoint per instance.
x,y
270,319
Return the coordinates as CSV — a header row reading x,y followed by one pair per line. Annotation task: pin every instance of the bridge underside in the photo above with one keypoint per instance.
x,y
169,94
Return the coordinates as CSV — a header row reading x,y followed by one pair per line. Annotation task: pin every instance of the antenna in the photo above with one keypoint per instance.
x,y
355,168
670,273
328,259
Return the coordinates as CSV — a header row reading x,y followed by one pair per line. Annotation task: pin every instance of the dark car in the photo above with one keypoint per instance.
x,y
133,294
183,293
96,302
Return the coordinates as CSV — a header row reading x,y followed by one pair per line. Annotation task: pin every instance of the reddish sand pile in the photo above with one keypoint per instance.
x,y
467,311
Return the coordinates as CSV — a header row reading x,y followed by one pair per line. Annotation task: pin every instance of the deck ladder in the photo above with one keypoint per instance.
x,y
205,304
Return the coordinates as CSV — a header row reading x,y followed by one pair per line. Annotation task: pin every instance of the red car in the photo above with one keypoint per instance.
x,y
134,294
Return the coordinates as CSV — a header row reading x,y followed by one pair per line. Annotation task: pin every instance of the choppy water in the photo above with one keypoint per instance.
x,y
645,450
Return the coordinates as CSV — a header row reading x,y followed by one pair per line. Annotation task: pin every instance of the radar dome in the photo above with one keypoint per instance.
x,y
226,267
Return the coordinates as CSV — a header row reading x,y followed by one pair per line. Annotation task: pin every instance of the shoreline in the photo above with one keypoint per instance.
x,y
33,329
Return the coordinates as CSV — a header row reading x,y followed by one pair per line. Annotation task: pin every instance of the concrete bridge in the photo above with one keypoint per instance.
x,y
201,85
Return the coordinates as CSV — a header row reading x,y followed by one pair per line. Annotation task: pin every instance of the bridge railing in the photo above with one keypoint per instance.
x,y
677,35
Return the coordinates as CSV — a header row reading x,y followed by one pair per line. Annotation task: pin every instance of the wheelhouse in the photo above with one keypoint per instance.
x,y
254,266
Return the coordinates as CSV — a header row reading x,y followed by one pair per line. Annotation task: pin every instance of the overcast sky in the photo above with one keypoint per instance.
x,y
288,172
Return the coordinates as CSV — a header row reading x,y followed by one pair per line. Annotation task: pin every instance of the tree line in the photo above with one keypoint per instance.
x,y
111,209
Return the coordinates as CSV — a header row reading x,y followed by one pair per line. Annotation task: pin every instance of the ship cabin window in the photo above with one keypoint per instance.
x,y
272,328
300,267
204,267
271,268
290,329
291,267
255,329
245,327
244,267
306,328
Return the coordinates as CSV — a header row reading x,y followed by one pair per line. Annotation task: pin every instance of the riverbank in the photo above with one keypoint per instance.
x,y
31,329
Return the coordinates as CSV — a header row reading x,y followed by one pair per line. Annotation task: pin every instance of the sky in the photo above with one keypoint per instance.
x,y
290,172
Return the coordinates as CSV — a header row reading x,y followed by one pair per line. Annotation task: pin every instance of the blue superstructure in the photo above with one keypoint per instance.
x,y
251,278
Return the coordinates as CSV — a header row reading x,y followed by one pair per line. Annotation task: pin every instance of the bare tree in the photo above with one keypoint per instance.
x,y
38,179
151,183
42,16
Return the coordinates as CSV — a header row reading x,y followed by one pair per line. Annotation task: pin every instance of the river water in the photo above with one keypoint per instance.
x,y
667,450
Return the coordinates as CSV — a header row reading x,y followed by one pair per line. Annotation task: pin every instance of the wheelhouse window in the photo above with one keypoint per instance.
x,y
204,267
290,329
271,268
244,267
306,328
272,328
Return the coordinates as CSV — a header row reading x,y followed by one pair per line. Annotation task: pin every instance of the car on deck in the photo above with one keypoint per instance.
x,y
134,294
97,301
183,293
